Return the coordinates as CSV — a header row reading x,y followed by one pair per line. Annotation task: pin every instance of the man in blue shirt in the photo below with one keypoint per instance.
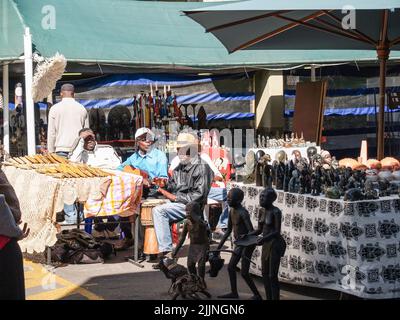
x,y
149,159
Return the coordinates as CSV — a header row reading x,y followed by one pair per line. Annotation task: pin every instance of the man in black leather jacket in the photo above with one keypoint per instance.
x,y
191,181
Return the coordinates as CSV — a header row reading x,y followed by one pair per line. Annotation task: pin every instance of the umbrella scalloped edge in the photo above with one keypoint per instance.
x,y
47,74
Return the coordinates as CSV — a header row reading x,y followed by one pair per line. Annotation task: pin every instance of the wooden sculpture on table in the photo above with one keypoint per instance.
x,y
201,119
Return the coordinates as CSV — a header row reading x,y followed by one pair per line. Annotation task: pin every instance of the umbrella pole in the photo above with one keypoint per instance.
x,y
30,111
383,55
6,109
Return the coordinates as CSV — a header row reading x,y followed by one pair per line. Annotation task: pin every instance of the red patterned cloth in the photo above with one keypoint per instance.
x,y
3,241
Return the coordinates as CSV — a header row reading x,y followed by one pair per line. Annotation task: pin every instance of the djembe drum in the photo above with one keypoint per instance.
x,y
146,218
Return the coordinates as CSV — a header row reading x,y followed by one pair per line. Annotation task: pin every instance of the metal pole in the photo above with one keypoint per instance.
x,y
383,51
381,117
30,111
6,109
313,72
376,124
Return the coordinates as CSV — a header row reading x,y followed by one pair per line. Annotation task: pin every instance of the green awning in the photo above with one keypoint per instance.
x,y
138,33
11,31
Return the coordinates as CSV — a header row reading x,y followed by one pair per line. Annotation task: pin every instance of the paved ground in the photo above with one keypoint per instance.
x,y
120,280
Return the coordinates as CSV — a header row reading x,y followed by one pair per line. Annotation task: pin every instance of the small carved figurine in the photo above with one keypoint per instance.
x,y
294,183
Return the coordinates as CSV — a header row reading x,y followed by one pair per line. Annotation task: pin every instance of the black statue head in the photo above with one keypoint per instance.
x,y
259,155
281,156
235,197
267,197
311,152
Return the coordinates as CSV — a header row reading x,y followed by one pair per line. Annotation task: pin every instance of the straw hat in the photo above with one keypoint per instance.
x,y
186,140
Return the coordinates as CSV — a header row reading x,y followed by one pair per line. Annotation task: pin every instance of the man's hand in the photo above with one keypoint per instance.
x,y
84,135
218,178
25,231
146,182
167,194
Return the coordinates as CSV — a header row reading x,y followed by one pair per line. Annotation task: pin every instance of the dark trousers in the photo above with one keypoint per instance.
x,y
12,282
111,224
126,227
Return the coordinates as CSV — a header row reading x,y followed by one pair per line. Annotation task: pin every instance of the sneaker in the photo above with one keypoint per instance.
x,y
124,244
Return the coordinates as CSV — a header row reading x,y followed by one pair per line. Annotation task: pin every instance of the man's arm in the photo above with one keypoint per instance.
x,y
202,185
51,133
124,164
87,124
162,171
167,194
217,174
115,160
76,154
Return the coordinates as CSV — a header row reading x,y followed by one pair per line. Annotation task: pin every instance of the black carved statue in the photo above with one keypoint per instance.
x,y
273,244
354,194
294,183
239,222
369,191
267,171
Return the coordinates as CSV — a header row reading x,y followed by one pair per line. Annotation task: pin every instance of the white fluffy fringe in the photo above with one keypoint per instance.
x,y
47,73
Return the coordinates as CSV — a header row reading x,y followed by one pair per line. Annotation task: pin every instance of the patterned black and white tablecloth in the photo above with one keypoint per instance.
x,y
352,247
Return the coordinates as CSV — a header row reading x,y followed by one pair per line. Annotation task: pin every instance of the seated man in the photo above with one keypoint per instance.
x,y
217,192
191,181
86,150
150,160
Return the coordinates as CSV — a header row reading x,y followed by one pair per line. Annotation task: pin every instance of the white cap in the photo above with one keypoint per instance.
x,y
141,131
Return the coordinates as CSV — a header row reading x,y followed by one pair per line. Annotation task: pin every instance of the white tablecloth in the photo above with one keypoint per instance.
x,y
352,247
41,197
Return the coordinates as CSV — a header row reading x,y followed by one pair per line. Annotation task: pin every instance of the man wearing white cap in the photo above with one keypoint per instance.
x,y
190,182
149,159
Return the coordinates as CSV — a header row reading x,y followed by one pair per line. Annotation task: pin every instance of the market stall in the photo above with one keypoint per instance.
x,y
346,246
44,188
340,222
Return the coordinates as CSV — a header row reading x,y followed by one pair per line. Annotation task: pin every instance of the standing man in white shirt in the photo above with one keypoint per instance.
x,y
66,118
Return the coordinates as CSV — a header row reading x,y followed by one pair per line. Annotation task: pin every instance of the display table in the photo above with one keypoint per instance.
x,y
122,198
273,151
42,196
351,247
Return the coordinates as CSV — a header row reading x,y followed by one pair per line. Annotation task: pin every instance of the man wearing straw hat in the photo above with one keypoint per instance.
x,y
191,181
